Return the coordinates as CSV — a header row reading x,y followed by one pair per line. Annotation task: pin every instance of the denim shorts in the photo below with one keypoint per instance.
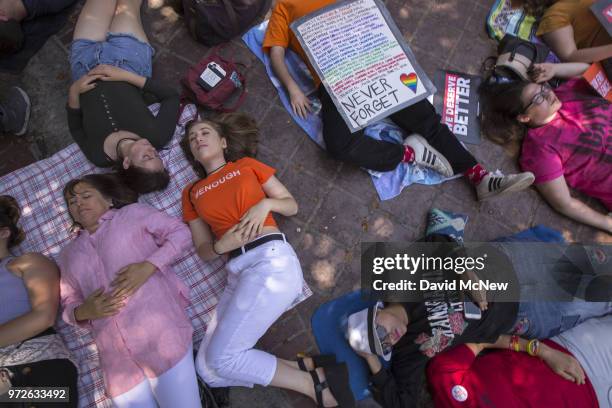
x,y
121,50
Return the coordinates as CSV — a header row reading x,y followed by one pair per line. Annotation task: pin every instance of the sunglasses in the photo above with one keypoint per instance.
x,y
383,336
539,97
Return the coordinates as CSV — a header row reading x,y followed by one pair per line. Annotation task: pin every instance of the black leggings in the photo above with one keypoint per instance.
x,y
47,373
378,155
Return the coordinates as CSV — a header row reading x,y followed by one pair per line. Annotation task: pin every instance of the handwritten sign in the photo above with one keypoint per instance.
x,y
457,102
363,61
603,11
597,78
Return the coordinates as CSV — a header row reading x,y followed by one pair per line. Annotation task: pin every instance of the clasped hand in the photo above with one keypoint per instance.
x,y
250,226
128,280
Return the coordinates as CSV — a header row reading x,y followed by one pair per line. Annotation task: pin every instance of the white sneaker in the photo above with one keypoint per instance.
x,y
425,155
495,184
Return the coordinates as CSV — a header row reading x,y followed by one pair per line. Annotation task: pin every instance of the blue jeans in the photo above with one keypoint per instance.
x,y
548,319
120,49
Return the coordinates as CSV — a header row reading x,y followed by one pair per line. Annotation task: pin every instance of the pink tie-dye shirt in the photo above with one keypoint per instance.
x,y
576,144
152,332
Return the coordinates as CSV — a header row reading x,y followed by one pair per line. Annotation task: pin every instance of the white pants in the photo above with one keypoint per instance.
x,y
177,387
261,286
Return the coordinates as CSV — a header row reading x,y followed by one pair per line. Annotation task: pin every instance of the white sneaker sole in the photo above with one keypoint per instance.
x,y
439,156
24,129
526,181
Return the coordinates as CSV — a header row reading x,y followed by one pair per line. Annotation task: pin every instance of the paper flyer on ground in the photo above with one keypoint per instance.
x,y
363,60
458,103
597,78
603,11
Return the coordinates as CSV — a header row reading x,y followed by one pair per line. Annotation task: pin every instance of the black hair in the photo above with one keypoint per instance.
x,y
109,185
239,129
536,8
141,180
9,216
502,103
11,37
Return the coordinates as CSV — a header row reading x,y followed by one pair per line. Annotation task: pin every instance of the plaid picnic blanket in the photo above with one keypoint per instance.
x,y
45,219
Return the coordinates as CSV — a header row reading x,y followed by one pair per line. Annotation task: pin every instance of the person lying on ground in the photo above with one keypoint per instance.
x,y
430,144
32,353
111,64
14,12
229,211
15,111
570,29
117,280
564,135
573,369
410,333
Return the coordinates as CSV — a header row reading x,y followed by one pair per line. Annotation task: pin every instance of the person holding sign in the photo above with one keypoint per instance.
x,y
430,144
565,137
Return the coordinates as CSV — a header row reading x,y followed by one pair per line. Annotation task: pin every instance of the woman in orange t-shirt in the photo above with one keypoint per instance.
x,y
229,213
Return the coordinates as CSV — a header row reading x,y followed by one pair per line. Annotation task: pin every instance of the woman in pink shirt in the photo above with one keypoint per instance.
x,y
117,280
566,137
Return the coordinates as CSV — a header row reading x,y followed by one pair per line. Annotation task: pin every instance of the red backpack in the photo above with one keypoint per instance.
x,y
216,97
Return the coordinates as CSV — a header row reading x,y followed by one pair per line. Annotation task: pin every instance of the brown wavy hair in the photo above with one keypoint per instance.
x,y
501,104
9,216
239,129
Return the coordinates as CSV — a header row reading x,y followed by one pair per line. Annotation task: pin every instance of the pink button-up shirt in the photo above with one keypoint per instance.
x,y
152,332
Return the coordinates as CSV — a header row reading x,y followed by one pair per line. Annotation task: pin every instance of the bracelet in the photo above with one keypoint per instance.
x,y
511,343
517,345
533,347
214,250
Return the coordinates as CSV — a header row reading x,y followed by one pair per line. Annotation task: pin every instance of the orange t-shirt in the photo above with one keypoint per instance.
x,y
279,33
222,198
588,31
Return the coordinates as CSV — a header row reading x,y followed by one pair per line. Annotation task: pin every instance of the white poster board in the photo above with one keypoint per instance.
x,y
363,60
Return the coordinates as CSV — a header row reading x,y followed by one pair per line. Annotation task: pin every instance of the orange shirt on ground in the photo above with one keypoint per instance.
x,y
222,198
279,33
588,32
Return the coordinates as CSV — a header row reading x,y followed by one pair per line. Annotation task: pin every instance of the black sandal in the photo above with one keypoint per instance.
x,y
337,380
322,360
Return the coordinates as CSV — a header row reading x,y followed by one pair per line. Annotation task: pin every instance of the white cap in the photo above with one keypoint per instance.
x,y
361,332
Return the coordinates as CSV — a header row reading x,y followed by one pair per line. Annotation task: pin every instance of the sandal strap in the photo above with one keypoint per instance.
x,y
319,387
301,364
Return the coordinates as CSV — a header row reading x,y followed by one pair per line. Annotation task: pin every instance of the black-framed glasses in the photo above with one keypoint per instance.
x,y
383,336
539,97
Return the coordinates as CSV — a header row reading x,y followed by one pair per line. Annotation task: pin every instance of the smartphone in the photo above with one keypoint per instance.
x,y
471,311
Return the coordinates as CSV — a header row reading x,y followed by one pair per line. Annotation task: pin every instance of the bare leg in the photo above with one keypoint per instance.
x,y
95,20
127,19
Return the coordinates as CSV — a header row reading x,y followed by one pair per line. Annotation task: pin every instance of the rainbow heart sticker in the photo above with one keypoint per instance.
x,y
410,81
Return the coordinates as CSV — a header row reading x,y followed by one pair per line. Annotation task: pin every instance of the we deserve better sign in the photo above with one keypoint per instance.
x,y
363,61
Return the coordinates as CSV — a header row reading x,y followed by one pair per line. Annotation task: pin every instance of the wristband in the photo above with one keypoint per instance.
x,y
533,347
514,344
